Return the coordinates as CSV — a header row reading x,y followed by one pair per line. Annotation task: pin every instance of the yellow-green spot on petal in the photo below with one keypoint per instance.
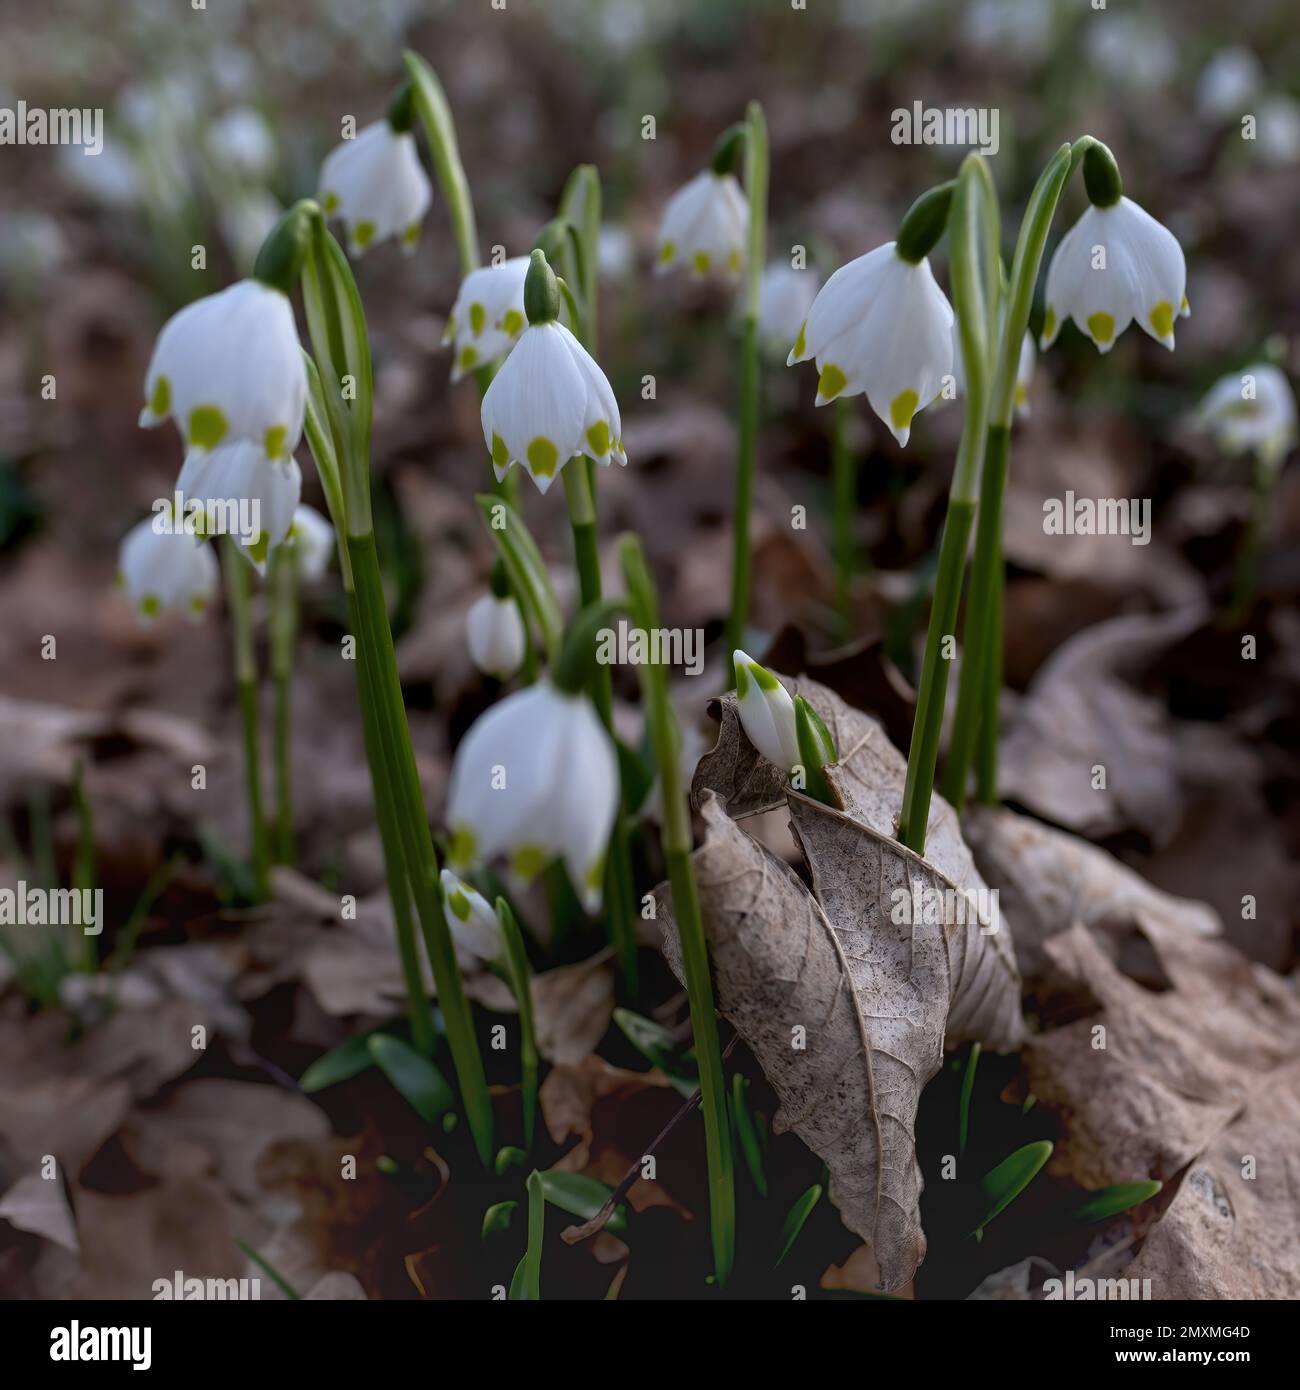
x,y
543,457
198,604
902,408
468,358
459,904
477,317
513,322
1162,318
500,454
1184,307
801,342
260,548
831,382
331,203
595,875
700,260
275,440
461,848
598,438
161,400
207,426
363,234
412,234
763,678
1022,394
528,861
1049,322
742,682
1102,327
733,262
667,251
150,605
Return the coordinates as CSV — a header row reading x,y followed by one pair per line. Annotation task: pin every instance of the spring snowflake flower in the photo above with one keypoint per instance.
x,y
488,316
766,712
536,778
704,226
550,402
242,143
494,630
880,325
473,923
228,368
1117,264
163,568
785,296
245,484
374,183
1252,410
312,537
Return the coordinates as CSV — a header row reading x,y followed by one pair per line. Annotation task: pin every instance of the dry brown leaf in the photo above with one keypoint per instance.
x,y
572,1007
844,1001
39,1205
1048,880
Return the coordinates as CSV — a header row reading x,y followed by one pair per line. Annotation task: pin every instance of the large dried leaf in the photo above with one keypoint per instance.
x,y
845,1007
1048,880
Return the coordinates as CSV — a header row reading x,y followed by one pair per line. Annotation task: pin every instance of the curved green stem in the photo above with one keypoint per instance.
x,y
756,178
440,130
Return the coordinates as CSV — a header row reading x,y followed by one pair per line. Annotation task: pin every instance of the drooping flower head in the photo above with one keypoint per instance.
x,y
536,778
1116,265
550,402
312,539
769,717
229,366
882,326
785,297
488,316
494,630
255,496
161,567
374,183
474,925
1252,410
704,227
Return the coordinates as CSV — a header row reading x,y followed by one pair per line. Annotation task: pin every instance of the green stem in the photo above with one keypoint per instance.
x,y
976,719
968,228
440,130
241,620
844,494
284,633
756,178
520,978
398,783
678,844
1243,587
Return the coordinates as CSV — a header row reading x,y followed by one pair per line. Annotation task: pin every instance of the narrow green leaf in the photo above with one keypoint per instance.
x,y
497,1218
747,1132
340,1063
659,1047
580,1196
967,1087
797,1218
268,1269
419,1082
1110,1201
529,1273
529,578
1003,1184
520,979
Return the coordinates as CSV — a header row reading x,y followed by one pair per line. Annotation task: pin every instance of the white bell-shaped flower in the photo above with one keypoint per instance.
x,y
536,778
242,143
488,316
766,712
705,226
229,367
160,567
1252,410
1116,265
785,297
250,496
1024,369
494,629
312,537
375,185
880,325
550,402
474,925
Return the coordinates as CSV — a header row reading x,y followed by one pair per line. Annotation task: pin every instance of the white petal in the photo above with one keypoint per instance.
x,y
163,568
494,631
